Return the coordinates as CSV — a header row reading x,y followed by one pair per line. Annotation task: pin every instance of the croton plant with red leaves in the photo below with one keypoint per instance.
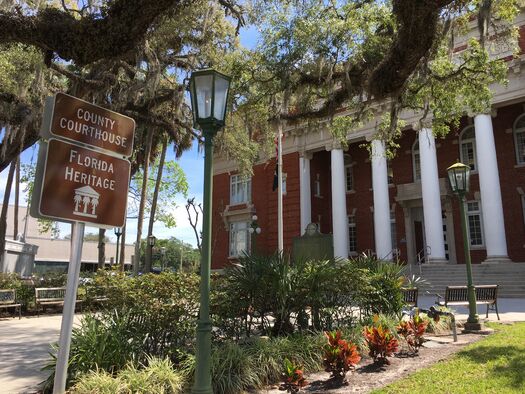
x,y
381,343
340,356
413,330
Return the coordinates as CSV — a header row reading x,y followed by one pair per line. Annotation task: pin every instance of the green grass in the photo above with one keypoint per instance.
x,y
493,365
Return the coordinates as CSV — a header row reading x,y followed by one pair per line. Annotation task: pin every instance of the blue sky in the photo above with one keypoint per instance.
x,y
192,162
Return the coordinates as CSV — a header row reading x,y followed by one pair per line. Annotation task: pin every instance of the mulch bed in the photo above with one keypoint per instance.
x,y
368,376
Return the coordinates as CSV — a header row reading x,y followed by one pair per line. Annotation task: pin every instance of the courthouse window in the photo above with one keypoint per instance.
x,y
349,174
240,189
416,164
239,238
467,148
474,223
519,139
352,235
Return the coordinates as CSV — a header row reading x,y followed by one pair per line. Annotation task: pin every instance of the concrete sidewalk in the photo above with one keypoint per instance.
x,y
510,309
24,348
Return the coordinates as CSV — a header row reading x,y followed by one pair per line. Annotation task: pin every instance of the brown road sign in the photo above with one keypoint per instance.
x,y
84,185
79,121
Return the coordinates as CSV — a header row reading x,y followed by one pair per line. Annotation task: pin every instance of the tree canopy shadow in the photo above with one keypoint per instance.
x,y
513,368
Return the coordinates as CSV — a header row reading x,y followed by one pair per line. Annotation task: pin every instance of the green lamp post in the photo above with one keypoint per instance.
x,y
209,95
459,178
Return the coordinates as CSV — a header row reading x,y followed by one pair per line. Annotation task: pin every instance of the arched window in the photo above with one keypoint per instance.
x,y
519,139
349,174
467,147
416,164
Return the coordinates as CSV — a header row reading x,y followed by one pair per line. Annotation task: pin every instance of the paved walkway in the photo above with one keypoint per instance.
x,y
24,348
24,344
510,309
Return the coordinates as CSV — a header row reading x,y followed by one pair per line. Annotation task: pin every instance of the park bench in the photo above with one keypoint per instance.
x,y
458,295
410,296
8,300
45,296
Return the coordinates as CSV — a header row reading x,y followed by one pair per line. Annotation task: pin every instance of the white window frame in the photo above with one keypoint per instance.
x,y
522,197
236,229
465,141
393,232
416,161
243,195
520,159
284,176
471,213
352,225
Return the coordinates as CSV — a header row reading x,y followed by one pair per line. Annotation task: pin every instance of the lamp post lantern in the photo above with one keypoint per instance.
x,y
151,243
209,96
459,178
254,231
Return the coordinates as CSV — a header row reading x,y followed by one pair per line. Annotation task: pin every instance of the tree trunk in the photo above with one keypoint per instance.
x,y
5,205
122,251
149,251
140,219
17,197
101,248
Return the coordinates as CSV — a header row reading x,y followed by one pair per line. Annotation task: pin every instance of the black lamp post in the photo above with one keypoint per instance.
x,y
118,233
459,178
209,96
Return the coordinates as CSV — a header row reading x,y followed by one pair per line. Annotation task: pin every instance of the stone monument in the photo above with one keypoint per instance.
x,y
313,245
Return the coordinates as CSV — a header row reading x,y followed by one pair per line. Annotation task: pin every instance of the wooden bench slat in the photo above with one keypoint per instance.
x,y
485,295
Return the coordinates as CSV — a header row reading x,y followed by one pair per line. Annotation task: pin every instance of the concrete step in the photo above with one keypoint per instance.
x,y
509,276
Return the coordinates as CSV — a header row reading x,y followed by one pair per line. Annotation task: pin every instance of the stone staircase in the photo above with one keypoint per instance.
x,y
509,276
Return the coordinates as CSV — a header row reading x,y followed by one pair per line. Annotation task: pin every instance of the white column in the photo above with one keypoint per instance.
x,y
305,190
431,197
491,205
382,231
339,217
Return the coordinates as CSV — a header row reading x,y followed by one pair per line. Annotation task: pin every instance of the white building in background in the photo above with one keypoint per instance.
x,y
53,253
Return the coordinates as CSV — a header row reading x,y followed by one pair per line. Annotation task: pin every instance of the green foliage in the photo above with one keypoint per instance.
x,y
293,378
381,342
173,183
149,315
27,177
412,330
316,294
340,356
255,364
157,376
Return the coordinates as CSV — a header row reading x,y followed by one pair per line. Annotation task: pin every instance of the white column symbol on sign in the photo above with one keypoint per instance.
x,y
86,202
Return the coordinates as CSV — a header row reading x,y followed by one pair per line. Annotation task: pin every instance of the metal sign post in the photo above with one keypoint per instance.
x,y
82,177
77,239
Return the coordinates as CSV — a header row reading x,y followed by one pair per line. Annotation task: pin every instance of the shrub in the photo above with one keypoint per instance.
x,y
384,294
340,356
293,378
253,365
25,290
151,315
381,343
318,294
412,331
158,376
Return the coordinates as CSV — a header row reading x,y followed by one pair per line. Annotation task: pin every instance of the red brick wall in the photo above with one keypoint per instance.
x,y
265,201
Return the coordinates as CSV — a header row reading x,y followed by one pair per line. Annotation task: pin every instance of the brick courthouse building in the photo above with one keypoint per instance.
x,y
401,207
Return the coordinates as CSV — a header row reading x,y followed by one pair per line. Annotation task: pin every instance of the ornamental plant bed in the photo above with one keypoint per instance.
x,y
369,375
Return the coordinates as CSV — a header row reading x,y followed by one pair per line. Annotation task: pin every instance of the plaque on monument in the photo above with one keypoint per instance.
x,y
313,245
